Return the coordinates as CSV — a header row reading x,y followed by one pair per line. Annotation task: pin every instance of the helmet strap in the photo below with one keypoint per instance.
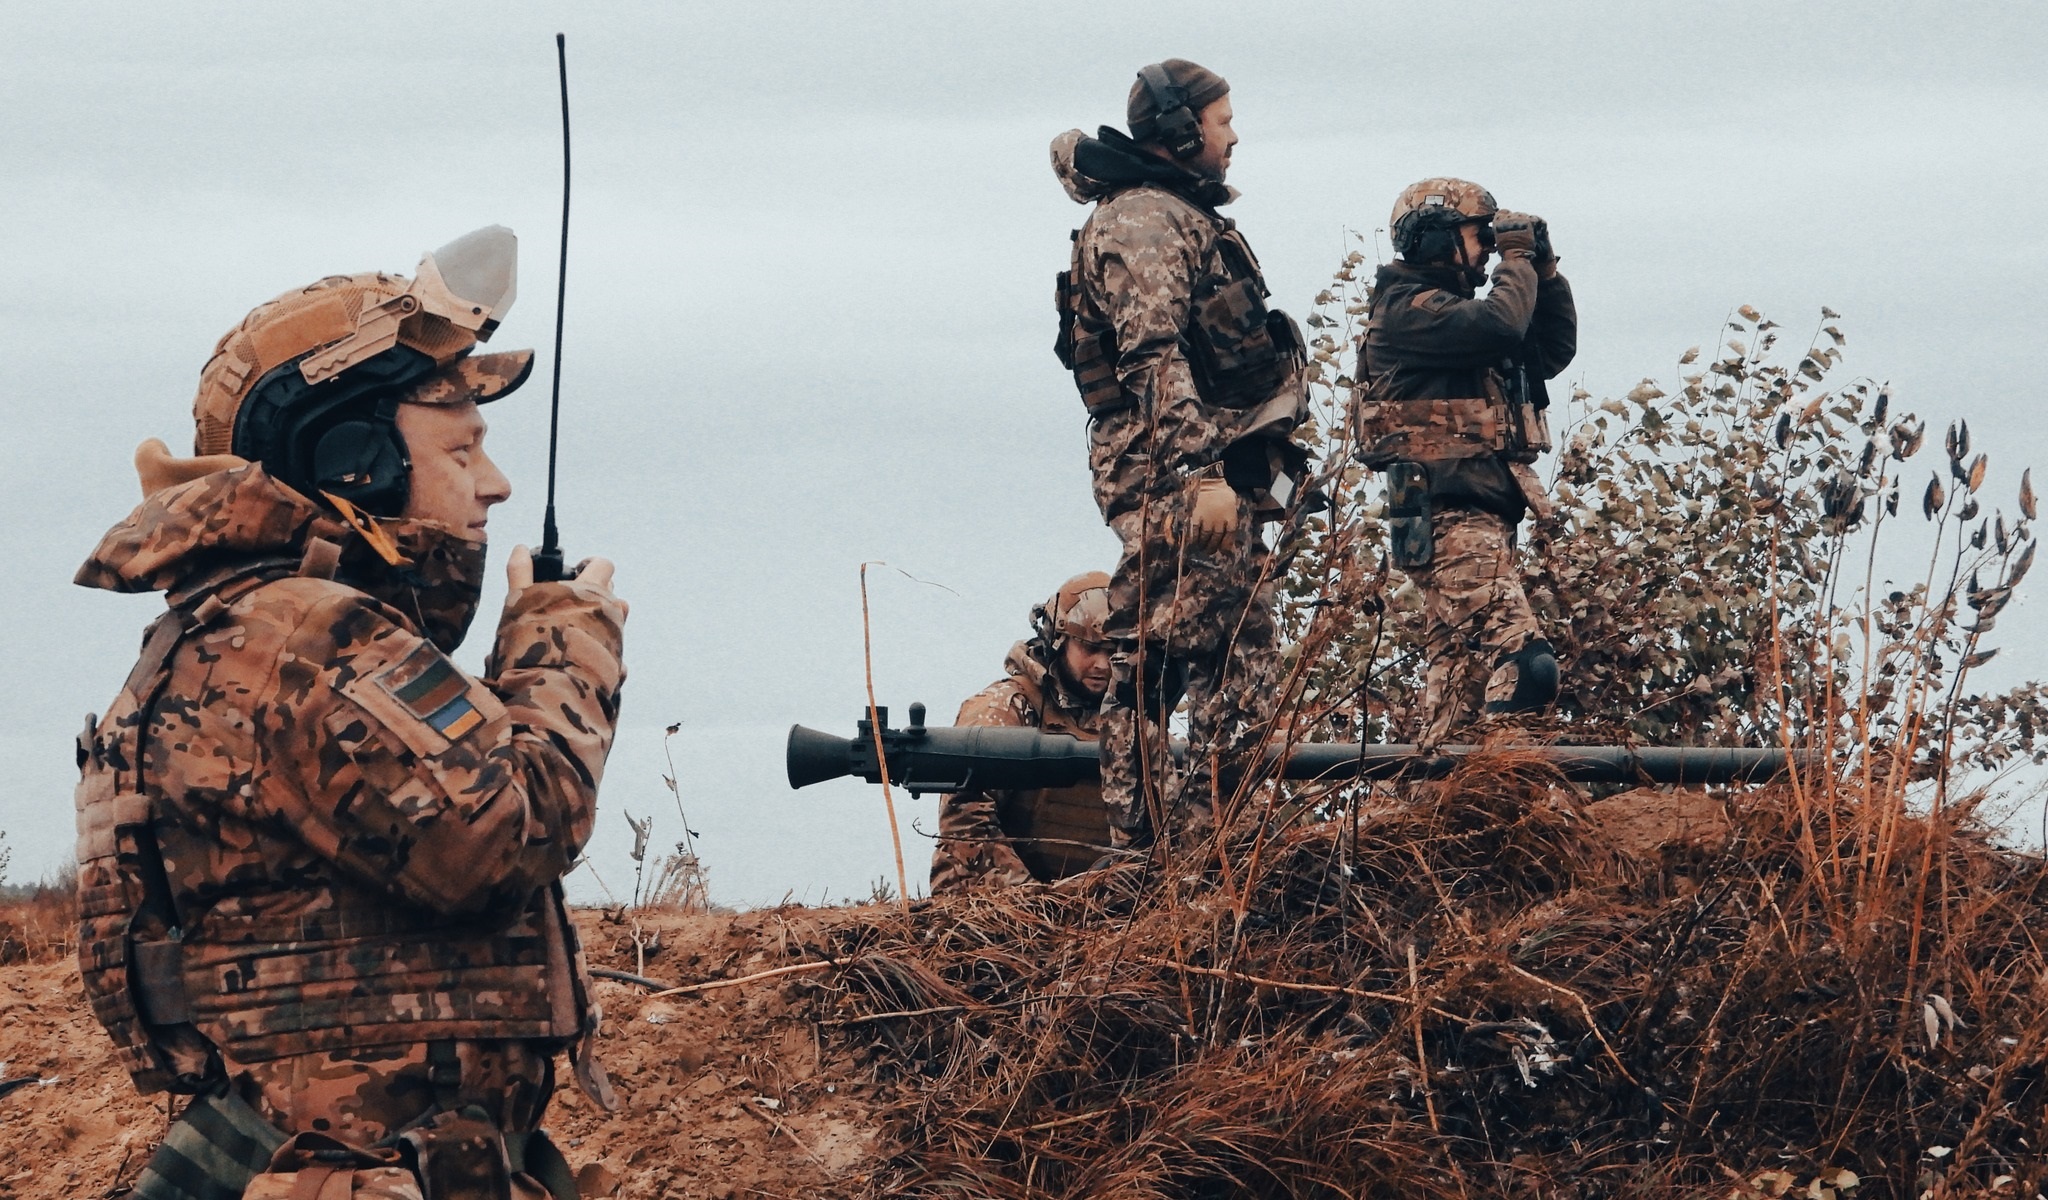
x,y
379,538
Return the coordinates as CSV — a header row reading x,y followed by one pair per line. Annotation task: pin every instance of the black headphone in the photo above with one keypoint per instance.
x,y
1434,240
1174,125
338,436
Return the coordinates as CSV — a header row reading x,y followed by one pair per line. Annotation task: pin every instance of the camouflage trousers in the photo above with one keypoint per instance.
x,y
363,1099
1193,625
1476,616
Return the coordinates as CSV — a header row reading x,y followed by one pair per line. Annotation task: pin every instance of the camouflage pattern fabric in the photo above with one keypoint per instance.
x,y
988,838
361,842
361,1097
1151,251
1430,384
1230,693
1476,613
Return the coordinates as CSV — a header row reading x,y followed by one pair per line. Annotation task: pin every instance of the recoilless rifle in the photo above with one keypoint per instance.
x,y
952,759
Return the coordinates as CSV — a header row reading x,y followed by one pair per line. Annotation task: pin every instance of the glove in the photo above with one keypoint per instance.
x,y
1213,516
1544,257
1516,231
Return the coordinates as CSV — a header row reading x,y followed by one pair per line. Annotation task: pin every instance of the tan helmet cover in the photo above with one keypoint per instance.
x,y
1437,202
460,294
1080,609
1462,196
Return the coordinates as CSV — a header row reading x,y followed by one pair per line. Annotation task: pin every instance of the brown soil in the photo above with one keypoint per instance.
x,y
725,1093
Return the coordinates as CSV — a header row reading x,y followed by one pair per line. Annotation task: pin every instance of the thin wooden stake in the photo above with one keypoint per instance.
x,y
867,653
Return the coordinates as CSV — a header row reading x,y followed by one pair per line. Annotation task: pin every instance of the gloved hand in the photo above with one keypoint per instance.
x,y
1515,231
1544,257
1212,518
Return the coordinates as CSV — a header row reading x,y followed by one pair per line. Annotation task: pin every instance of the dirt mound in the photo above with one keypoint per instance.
x,y
1481,987
729,1092
1486,989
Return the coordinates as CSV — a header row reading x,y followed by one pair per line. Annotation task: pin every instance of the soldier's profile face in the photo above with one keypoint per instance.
x,y
1217,139
1473,250
454,483
1087,666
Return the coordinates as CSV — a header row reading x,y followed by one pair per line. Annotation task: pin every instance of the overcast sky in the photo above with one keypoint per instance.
x,y
810,279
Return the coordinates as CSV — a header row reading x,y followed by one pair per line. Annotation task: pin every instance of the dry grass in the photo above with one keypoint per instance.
x,y
41,924
1467,993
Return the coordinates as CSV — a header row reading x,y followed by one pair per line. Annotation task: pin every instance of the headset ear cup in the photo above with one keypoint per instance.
x,y
1181,131
363,462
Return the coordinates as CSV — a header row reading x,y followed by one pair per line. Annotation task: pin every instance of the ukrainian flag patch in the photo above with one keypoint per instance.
x,y
432,689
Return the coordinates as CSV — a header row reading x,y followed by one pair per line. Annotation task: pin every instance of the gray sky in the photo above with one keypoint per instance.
x,y
809,294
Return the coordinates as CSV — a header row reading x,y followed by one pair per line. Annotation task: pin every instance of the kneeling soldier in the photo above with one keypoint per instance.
x,y
320,864
1450,405
1053,682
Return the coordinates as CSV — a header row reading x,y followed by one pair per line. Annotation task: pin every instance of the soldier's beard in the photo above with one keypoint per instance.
x,y
440,589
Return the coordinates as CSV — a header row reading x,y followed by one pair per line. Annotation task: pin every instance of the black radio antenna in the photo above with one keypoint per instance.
x,y
547,562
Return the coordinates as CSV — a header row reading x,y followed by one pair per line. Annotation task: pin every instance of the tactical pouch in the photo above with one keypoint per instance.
x,y
1387,431
461,1155
1531,434
1094,368
1241,350
1412,544
1090,356
1268,471
211,1153
315,1166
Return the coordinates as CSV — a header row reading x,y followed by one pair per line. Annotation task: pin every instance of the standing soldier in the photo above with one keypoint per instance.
x,y
1054,682
1450,405
320,865
1192,386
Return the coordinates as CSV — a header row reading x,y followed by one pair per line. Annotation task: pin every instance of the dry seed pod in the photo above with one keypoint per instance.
x,y
1931,502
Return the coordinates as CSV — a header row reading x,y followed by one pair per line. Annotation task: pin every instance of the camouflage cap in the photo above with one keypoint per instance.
x,y
478,377
1439,202
1202,86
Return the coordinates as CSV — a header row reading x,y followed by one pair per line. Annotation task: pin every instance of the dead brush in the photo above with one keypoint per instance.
x,y
1464,988
40,923
1435,1031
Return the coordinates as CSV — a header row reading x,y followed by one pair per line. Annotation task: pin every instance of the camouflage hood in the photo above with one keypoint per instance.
x,y
181,535
1028,662
1092,168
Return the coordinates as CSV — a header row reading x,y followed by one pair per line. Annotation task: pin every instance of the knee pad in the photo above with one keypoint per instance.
x,y
1536,678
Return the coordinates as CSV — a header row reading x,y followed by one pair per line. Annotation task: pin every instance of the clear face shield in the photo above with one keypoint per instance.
x,y
469,283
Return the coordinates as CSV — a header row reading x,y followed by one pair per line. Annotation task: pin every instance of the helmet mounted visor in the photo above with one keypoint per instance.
x,y
470,283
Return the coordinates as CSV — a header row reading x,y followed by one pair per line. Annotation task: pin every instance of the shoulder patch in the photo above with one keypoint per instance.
x,y
430,687
1434,300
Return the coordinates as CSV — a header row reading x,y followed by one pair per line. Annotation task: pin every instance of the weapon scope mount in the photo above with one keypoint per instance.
x,y
953,759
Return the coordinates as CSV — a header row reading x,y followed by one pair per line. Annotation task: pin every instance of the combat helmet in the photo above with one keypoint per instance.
x,y
1426,216
309,383
1078,610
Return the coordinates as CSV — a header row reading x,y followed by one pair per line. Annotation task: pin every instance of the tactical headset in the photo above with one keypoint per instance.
x,y
1174,125
1430,238
339,436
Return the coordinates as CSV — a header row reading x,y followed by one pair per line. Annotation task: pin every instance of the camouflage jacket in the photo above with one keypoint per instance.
x,y
1172,291
1008,837
303,829
1428,338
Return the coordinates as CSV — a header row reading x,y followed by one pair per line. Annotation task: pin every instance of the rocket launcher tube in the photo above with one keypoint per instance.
x,y
949,759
